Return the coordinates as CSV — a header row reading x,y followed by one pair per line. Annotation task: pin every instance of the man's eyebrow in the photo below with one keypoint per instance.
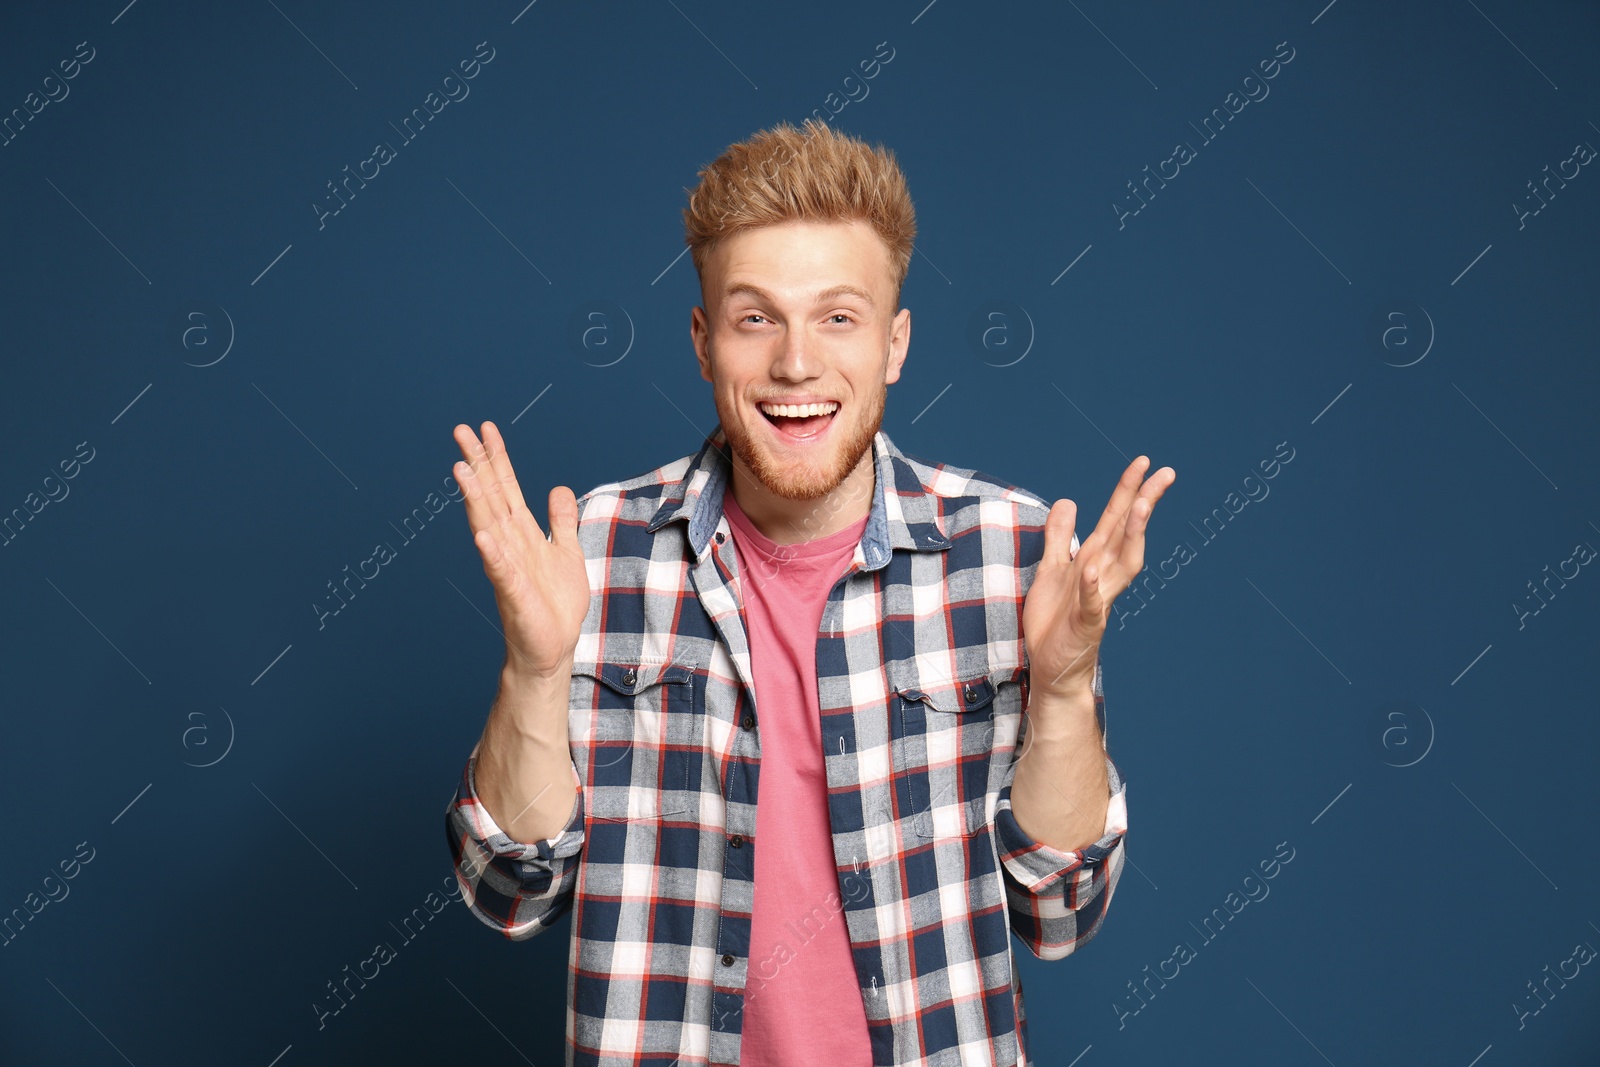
x,y
824,296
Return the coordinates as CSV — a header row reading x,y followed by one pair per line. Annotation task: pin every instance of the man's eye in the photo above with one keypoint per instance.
x,y
840,315
754,315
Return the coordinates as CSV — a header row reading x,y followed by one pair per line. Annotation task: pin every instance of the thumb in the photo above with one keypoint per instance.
x,y
563,516
1090,603
1058,532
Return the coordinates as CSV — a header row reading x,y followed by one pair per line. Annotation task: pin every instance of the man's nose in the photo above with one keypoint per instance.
x,y
796,360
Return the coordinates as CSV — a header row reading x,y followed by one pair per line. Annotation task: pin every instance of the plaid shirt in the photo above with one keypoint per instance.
x,y
922,676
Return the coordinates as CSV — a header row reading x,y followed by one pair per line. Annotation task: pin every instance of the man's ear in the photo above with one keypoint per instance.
x,y
899,345
699,334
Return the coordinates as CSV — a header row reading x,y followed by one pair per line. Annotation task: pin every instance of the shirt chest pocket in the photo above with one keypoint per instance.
x,y
637,728
944,744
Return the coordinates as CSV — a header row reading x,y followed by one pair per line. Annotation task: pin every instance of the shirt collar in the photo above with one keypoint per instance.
x,y
903,515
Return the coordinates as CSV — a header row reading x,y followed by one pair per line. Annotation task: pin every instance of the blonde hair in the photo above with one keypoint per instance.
x,y
784,174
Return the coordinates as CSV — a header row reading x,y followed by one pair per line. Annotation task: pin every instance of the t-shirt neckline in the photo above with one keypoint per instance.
x,y
819,546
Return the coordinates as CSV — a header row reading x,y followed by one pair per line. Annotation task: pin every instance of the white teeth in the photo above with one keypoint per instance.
x,y
800,410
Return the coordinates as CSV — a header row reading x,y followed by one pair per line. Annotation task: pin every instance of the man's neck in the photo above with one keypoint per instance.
x,y
788,522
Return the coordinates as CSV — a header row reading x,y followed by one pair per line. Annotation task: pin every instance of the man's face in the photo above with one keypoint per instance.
x,y
801,312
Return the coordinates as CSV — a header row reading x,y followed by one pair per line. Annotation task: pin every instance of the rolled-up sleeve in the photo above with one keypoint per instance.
x,y
517,888
1057,900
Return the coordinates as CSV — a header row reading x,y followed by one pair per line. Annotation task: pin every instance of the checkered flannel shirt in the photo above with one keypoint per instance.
x,y
922,677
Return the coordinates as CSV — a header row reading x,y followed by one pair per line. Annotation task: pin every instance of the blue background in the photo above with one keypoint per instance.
x,y
1343,667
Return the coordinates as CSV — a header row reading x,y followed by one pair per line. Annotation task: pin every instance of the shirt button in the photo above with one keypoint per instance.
x,y
727,960
629,676
720,538
971,694
736,840
749,722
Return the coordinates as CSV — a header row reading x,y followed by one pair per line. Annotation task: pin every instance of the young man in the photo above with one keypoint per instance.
x,y
800,613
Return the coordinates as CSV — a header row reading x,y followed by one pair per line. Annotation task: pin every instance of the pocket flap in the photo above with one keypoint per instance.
x,y
631,679
962,695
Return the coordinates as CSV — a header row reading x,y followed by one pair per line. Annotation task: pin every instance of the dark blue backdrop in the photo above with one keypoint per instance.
x,y
1382,655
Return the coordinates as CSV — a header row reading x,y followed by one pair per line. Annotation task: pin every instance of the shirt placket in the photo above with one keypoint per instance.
x,y
839,763
715,577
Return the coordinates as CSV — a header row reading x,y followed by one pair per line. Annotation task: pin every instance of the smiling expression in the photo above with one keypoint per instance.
x,y
801,314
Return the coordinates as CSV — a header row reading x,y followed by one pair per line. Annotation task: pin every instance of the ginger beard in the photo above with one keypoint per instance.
x,y
791,474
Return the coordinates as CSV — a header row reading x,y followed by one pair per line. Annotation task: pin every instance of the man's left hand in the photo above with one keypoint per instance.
x,y
1065,612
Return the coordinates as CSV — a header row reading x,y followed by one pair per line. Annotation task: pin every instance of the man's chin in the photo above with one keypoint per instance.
x,y
792,478
798,480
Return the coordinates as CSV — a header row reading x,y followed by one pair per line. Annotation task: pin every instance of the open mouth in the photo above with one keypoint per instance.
x,y
800,422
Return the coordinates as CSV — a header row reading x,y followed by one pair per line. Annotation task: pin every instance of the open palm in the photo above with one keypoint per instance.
x,y
541,585
1064,615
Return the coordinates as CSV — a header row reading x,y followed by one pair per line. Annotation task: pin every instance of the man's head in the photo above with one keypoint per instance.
x,y
802,239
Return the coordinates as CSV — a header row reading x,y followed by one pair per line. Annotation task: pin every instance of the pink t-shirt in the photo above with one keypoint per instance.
x,y
802,998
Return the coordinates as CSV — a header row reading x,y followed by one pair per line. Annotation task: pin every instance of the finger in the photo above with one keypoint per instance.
x,y
501,461
480,512
1159,483
1112,520
495,563
489,478
518,529
1130,552
466,439
481,483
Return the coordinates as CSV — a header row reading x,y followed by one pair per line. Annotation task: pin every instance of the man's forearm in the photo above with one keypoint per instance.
x,y
523,772
1060,791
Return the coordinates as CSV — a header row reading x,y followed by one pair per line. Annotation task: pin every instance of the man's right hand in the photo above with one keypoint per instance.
x,y
540,585
524,771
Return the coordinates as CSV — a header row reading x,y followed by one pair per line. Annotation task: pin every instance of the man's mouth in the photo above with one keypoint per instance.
x,y
800,422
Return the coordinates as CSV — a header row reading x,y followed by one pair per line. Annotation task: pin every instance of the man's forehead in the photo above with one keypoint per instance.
x,y
772,262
